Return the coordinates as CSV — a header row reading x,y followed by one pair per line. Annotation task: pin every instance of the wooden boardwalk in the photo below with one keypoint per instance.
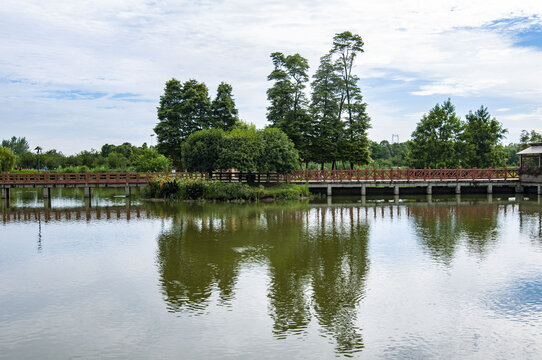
x,y
317,180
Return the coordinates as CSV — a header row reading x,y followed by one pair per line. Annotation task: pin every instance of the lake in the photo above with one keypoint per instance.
x,y
410,277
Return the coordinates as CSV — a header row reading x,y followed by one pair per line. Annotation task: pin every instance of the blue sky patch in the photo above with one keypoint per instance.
x,y
75,94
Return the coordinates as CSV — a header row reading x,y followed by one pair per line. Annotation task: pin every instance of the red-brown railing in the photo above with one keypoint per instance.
x,y
132,178
47,178
402,175
129,178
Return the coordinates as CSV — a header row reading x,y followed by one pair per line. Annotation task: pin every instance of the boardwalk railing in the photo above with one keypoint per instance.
x,y
132,178
129,178
402,175
88,178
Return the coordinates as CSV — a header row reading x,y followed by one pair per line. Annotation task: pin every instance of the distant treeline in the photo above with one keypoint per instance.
x,y
17,152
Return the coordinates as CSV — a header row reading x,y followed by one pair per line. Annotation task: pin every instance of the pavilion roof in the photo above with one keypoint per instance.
x,y
534,149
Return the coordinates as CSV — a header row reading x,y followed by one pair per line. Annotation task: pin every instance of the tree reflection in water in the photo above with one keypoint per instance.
x,y
317,261
441,228
530,221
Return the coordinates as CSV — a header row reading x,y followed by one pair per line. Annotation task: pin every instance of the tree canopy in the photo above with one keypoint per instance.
x,y
242,149
435,142
7,159
481,136
186,108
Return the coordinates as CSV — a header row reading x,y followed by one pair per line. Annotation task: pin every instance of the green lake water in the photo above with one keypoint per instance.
x,y
417,277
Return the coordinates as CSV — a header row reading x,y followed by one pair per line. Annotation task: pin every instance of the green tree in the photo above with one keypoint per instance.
x,y
241,150
150,160
223,111
512,157
87,158
279,153
326,127
201,150
183,110
17,145
7,159
355,144
27,160
435,142
482,135
52,159
116,160
289,106
528,137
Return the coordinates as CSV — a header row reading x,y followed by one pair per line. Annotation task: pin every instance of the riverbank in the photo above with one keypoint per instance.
x,y
177,188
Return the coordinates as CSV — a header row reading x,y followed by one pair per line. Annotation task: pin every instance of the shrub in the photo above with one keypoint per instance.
x,y
7,159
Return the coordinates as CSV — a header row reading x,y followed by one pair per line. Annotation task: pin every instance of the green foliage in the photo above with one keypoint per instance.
x,y
241,150
17,145
186,108
195,188
51,159
183,110
527,137
116,160
481,136
355,143
223,111
512,157
279,154
435,142
289,107
7,159
326,127
201,150
150,160
386,155
27,160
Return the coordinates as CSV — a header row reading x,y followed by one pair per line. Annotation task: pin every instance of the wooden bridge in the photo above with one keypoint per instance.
x,y
328,181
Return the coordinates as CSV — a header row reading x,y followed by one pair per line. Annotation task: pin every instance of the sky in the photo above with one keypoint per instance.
x,y
75,75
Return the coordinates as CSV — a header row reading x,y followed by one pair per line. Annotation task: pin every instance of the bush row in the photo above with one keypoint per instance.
x,y
190,188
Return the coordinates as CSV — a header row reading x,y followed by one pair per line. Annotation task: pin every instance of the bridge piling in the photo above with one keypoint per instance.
x,y
329,190
429,189
490,189
5,193
46,192
127,191
363,190
396,190
87,191
458,189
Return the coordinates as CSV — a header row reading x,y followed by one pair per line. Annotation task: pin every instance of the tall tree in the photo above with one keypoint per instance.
x,y
289,106
18,146
355,142
346,47
435,142
223,111
326,127
183,110
482,135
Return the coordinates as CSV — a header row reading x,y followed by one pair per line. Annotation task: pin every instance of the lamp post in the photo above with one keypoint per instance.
x,y
38,150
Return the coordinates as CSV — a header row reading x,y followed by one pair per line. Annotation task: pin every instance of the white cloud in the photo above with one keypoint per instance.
x,y
441,48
